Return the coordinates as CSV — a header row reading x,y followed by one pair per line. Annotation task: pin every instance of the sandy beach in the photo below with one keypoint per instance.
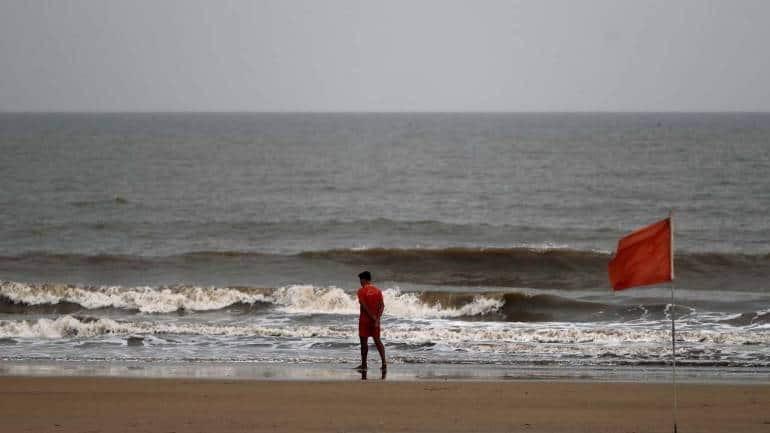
x,y
29,404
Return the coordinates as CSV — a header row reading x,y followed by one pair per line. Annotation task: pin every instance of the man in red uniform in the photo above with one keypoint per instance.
x,y
372,306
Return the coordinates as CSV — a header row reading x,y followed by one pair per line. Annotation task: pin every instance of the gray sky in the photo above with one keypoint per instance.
x,y
385,55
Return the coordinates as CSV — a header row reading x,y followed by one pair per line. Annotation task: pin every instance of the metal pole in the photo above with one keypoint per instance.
x,y
673,353
673,320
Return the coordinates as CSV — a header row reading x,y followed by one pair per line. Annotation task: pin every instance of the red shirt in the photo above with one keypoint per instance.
x,y
370,296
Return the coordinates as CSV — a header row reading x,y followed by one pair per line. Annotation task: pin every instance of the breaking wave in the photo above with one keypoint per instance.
x,y
70,326
514,306
64,298
20,298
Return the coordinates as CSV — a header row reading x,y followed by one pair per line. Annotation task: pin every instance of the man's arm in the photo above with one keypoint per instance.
x,y
368,311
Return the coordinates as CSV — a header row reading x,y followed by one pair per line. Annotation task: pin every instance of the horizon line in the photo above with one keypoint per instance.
x,y
366,112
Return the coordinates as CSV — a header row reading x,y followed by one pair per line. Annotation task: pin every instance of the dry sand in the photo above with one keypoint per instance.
x,y
41,404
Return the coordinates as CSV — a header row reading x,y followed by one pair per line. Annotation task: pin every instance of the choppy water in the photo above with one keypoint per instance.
x,y
237,237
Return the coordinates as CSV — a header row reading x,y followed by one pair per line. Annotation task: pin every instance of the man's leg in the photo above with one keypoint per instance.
x,y
364,350
381,349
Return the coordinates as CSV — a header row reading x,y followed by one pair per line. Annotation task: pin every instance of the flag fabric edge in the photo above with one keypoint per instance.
x,y
643,257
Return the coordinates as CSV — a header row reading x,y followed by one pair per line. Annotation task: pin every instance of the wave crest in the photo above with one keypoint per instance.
x,y
299,299
143,299
513,306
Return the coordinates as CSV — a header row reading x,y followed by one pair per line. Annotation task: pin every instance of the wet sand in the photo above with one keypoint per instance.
x,y
88,404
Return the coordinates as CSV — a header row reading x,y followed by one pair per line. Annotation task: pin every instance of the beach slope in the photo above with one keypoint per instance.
x,y
40,404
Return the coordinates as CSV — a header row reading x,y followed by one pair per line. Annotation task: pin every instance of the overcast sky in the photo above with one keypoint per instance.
x,y
390,55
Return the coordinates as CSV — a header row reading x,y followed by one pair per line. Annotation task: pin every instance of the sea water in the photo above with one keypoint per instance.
x,y
209,238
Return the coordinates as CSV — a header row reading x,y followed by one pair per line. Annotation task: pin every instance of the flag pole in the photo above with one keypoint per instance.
x,y
673,326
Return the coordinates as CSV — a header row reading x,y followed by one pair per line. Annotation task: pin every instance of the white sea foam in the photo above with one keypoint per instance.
x,y
439,331
313,300
303,299
144,299
65,326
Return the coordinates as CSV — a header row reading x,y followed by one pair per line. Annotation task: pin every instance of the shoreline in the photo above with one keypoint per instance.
x,y
91,404
342,372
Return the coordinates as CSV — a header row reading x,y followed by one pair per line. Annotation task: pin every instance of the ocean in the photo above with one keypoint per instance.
x,y
199,239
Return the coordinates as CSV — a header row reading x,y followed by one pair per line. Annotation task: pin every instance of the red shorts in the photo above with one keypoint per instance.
x,y
368,329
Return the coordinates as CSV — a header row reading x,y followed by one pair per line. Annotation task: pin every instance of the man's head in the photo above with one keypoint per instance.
x,y
365,277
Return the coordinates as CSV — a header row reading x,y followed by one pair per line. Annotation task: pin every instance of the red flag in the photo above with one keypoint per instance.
x,y
643,257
